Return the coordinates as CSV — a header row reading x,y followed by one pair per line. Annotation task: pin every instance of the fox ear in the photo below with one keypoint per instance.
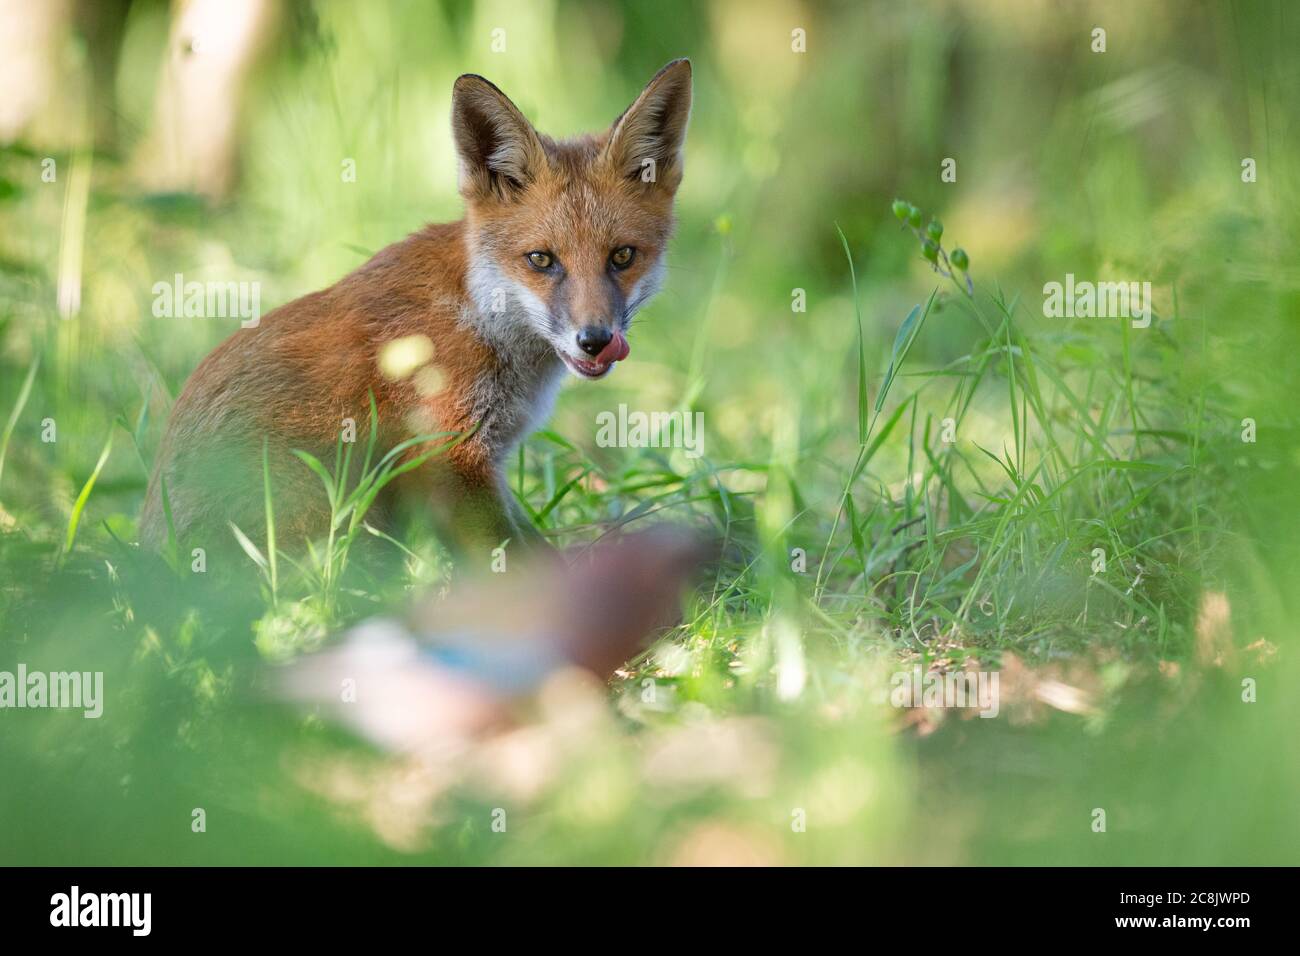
x,y
500,152
646,142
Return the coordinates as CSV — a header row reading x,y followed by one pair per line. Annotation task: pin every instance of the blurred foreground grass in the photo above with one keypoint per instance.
x,y
1122,689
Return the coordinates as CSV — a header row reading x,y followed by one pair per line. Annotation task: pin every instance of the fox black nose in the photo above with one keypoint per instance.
x,y
593,338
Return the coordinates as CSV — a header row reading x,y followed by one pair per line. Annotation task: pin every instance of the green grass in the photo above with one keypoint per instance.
x,y
858,539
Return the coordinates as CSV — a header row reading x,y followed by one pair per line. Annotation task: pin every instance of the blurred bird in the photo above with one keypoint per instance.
x,y
455,669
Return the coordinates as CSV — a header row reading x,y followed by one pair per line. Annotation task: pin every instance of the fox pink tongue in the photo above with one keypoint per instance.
x,y
615,351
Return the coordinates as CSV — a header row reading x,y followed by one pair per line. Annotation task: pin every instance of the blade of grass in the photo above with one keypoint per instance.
x,y
862,344
270,522
23,394
250,549
80,505
173,551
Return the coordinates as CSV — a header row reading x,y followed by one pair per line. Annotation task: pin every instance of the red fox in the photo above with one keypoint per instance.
x,y
562,242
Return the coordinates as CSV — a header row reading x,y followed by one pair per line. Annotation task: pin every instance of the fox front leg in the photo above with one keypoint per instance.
x,y
489,515
526,532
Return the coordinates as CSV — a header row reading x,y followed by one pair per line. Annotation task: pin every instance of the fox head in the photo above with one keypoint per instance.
x,y
567,238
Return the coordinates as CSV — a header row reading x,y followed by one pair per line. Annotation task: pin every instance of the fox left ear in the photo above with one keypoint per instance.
x,y
645,143
500,153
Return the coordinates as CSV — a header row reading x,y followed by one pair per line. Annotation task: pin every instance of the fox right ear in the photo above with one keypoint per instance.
x,y
500,152
646,142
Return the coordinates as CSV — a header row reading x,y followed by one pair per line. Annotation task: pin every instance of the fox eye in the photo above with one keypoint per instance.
x,y
541,261
622,257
